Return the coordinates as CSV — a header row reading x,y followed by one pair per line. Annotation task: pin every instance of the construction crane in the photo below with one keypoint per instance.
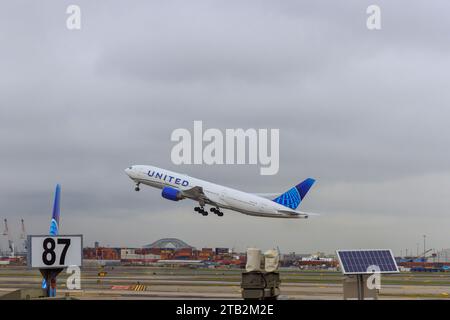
x,y
424,255
23,235
10,242
420,258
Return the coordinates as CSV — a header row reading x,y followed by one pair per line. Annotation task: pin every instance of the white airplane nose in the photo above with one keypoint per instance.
x,y
128,171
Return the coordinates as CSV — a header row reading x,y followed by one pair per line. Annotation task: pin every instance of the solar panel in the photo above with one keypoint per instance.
x,y
361,261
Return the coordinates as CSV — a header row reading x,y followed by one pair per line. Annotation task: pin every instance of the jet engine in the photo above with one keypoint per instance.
x,y
171,194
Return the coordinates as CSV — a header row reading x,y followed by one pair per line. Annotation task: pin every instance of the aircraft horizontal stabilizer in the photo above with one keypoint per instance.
x,y
298,213
267,195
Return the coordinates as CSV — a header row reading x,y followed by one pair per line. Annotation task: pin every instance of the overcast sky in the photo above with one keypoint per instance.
x,y
364,112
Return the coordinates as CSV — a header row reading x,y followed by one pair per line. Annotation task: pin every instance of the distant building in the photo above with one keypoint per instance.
x,y
161,251
220,251
168,243
443,256
137,256
100,253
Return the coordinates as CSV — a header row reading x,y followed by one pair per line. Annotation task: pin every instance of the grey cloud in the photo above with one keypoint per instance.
x,y
363,112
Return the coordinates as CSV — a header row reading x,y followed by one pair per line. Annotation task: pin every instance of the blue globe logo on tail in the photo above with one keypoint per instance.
x,y
294,196
54,228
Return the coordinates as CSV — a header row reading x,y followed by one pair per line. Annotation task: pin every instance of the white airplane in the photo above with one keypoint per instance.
x,y
177,186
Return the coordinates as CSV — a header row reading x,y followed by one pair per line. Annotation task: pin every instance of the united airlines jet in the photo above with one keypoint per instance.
x,y
177,186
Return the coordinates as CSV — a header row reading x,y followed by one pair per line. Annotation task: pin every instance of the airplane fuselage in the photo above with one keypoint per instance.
x,y
216,195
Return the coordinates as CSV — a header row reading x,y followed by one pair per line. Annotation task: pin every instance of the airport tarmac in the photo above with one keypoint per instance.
x,y
124,282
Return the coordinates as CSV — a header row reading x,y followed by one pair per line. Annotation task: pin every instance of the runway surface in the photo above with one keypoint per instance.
x,y
123,282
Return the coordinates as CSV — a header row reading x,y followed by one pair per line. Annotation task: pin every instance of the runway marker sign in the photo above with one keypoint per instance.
x,y
49,252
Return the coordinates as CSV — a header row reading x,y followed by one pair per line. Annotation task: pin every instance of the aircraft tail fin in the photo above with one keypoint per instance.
x,y
294,196
54,224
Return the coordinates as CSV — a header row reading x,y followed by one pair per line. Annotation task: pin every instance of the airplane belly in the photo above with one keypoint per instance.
x,y
241,205
215,198
151,183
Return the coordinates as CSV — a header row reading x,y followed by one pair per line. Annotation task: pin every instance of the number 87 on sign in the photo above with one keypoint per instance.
x,y
48,252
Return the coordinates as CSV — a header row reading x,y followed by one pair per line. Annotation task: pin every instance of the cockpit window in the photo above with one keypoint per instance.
x,y
130,167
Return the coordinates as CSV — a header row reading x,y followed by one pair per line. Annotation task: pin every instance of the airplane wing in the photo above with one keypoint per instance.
x,y
196,193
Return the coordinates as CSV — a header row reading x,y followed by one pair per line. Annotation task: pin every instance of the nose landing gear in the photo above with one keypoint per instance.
x,y
136,188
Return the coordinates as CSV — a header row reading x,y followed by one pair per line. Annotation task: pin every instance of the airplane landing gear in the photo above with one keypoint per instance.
x,y
201,210
216,211
137,187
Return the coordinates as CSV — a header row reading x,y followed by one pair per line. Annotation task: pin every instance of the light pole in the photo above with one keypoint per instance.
x,y
424,242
